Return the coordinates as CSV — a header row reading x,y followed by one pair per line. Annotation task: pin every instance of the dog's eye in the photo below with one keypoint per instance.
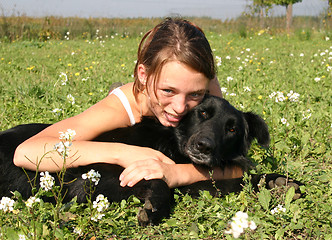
x,y
204,114
231,130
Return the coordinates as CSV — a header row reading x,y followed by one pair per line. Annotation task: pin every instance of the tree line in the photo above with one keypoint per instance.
x,y
263,6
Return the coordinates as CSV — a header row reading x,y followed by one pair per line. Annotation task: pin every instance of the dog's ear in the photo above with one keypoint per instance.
x,y
257,129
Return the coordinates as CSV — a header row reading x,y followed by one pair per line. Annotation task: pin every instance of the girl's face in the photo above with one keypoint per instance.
x,y
179,89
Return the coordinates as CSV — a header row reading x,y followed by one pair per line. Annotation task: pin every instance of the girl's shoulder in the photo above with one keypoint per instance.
x,y
122,98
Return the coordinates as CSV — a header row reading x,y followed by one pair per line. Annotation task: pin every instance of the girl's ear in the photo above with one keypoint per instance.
x,y
142,74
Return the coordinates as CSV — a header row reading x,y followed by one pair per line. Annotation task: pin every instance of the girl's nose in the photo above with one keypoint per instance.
x,y
180,105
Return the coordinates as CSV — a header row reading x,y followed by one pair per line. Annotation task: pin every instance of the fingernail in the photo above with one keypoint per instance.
x,y
130,184
120,178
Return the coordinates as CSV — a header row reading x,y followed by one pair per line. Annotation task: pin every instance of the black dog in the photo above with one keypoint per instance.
x,y
214,133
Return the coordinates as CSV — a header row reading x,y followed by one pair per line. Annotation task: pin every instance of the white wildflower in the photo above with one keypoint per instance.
x,y
97,217
57,111
46,181
247,89
280,97
63,148
229,79
284,121
252,225
239,223
93,176
101,203
306,114
272,95
228,57
63,78
68,135
66,141
278,209
223,90
6,204
71,99
29,203
78,231
293,96
317,79
21,237
67,36
218,60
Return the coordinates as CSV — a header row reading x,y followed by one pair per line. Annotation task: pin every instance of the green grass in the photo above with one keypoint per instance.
x,y
30,89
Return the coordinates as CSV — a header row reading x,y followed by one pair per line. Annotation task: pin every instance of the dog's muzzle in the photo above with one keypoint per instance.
x,y
200,149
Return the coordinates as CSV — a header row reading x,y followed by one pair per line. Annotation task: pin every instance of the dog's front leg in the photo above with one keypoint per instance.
x,y
157,199
220,188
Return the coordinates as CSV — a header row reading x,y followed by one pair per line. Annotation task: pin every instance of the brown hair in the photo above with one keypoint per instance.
x,y
173,39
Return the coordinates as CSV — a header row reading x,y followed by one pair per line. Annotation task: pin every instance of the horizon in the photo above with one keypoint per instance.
x,y
216,9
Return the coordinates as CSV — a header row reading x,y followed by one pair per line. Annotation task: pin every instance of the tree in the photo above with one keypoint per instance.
x,y
289,10
262,6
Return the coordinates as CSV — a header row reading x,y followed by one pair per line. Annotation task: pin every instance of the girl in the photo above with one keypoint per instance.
x,y
174,69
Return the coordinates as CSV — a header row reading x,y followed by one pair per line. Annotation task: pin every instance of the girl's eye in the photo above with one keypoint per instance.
x,y
167,91
197,95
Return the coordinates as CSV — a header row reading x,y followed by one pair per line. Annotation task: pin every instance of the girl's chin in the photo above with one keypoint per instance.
x,y
171,124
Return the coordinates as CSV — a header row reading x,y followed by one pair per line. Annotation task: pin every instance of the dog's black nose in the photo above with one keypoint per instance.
x,y
205,145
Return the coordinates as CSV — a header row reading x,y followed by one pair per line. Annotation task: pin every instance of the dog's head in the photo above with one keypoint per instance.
x,y
214,133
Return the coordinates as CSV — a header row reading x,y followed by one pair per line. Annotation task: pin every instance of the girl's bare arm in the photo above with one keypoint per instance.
x,y
106,115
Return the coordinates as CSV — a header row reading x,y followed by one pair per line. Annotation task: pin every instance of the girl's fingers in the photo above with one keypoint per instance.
x,y
149,169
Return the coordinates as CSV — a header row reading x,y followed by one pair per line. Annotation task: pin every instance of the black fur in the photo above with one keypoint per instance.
x,y
212,134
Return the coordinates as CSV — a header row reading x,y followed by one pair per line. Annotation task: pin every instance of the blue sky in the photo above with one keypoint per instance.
x,y
220,9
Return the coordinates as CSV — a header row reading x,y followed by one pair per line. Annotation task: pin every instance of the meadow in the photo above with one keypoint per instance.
x,y
284,78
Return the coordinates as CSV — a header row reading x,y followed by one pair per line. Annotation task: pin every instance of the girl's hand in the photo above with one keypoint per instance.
x,y
150,169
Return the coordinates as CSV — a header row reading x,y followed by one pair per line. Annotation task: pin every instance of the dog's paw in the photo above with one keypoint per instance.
x,y
143,218
283,181
147,215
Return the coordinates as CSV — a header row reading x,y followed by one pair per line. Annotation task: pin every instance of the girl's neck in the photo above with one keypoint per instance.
x,y
143,103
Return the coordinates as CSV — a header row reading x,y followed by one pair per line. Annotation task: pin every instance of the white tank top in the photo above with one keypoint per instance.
x,y
124,100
